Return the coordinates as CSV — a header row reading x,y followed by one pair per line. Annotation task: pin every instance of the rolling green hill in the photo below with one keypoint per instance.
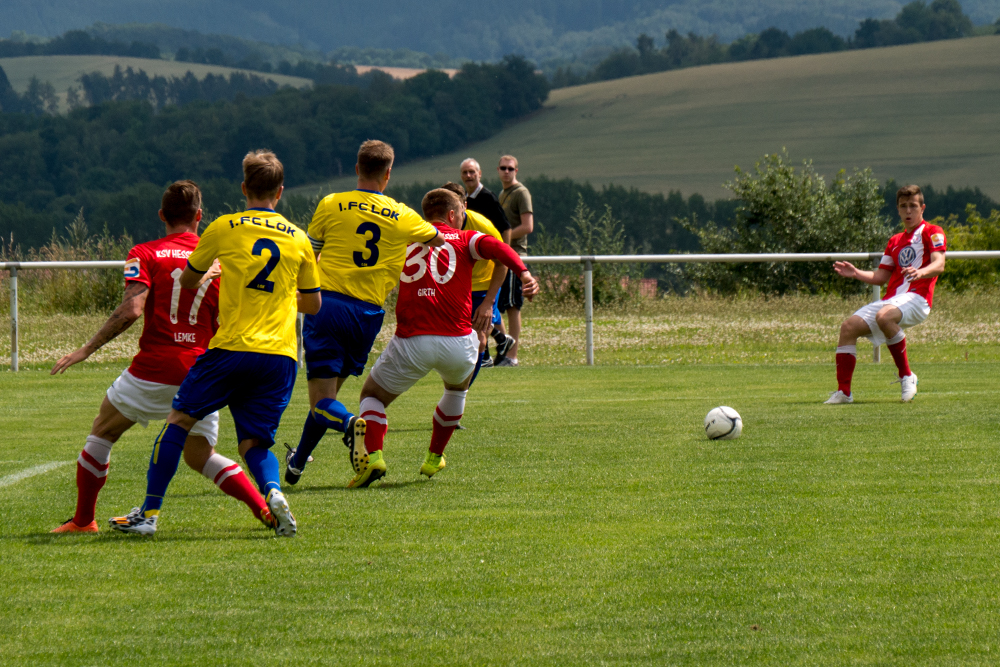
x,y
923,113
64,71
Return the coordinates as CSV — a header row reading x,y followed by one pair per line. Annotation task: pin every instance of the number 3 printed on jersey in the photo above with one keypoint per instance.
x,y
429,259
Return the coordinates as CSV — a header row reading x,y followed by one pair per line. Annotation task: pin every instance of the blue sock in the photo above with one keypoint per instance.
x,y
163,466
479,364
263,465
332,414
312,433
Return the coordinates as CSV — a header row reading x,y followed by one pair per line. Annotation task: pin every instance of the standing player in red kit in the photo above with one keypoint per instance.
x,y
177,328
433,331
912,262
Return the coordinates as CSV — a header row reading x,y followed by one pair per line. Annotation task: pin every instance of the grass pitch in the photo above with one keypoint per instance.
x,y
582,519
917,113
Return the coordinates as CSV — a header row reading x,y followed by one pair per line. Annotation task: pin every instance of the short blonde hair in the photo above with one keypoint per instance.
x,y
508,157
437,203
263,174
374,159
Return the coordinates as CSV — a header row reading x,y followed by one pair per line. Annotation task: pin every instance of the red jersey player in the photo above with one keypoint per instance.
x,y
912,262
178,326
433,331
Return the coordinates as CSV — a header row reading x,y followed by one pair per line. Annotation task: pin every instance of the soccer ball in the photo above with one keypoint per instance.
x,y
723,423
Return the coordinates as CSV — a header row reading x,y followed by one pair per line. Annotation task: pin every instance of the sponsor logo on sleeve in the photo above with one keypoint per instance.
x,y
132,268
937,240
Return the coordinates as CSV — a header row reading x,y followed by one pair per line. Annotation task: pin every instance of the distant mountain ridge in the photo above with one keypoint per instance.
x,y
543,30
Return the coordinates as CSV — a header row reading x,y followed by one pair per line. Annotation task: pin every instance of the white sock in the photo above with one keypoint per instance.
x,y
897,338
218,469
96,455
450,408
848,349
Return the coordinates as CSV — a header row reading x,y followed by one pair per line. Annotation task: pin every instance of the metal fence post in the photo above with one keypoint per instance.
x,y
876,296
588,307
13,319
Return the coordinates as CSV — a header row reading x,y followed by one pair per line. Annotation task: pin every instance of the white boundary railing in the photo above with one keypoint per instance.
x,y
588,262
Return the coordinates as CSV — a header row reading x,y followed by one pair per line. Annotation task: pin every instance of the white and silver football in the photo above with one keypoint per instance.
x,y
723,423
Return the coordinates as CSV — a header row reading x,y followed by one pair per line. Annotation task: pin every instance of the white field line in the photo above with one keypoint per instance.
x,y
31,472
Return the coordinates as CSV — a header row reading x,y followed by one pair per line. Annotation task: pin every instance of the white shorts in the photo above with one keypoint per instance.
x,y
406,360
142,401
913,306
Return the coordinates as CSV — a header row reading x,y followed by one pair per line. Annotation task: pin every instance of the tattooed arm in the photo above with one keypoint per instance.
x,y
132,306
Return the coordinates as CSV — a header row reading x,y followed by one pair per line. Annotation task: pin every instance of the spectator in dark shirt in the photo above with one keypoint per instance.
x,y
481,200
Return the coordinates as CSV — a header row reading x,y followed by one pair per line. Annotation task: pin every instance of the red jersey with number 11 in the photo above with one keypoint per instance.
x,y
435,288
178,322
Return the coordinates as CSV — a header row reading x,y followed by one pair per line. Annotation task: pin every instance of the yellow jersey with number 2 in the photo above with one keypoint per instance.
x,y
265,259
361,237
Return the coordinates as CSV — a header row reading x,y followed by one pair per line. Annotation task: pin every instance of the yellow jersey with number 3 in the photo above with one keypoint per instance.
x,y
482,272
264,259
361,237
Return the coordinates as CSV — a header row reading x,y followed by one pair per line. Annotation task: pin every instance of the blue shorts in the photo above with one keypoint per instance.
x,y
477,299
340,336
255,386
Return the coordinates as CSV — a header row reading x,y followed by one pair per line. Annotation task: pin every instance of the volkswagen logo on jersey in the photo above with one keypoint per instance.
x,y
907,256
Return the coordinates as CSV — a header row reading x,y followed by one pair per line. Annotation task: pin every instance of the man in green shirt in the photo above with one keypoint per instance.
x,y
516,202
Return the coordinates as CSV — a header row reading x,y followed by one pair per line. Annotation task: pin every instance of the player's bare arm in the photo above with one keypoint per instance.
x,y
308,303
191,279
879,276
526,227
935,268
132,305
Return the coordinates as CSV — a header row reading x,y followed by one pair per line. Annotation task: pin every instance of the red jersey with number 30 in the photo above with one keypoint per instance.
x,y
435,288
912,249
178,322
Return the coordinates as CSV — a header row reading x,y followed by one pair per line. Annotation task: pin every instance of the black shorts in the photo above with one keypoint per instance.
x,y
510,293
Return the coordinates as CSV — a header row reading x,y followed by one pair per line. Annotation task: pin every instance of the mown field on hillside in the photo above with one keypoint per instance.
x,y
921,113
64,71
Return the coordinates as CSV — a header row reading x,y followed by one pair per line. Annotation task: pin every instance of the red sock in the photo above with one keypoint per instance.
x,y
898,351
447,415
373,412
91,474
240,487
88,485
231,480
847,359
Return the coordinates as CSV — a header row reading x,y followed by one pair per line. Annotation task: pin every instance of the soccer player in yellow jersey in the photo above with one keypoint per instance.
x,y
268,272
360,238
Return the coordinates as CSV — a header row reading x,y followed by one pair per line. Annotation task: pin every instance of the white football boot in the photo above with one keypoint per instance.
x,y
838,397
909,387
135,522
285,525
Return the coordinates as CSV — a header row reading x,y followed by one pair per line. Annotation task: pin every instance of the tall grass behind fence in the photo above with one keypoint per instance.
x,y
76,292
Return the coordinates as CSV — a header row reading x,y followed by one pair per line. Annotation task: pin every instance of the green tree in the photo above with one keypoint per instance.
x,y
784,209
978,233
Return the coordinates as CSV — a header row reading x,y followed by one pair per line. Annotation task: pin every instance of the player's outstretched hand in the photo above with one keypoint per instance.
x,y
845,269
74,357
529,286
213,272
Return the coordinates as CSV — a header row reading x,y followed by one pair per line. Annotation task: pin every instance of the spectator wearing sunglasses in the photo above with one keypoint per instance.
x,y
516,202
